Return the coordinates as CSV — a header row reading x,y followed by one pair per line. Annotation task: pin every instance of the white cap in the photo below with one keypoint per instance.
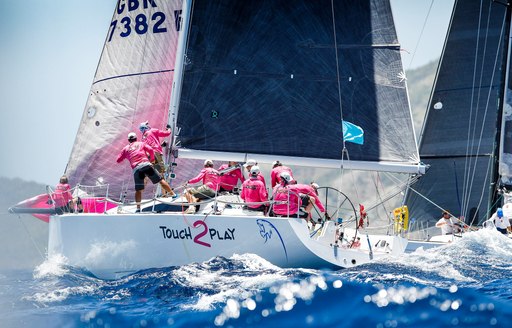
x,y
250,162
286,176
255,170
314,185
132,136
275,163
208,162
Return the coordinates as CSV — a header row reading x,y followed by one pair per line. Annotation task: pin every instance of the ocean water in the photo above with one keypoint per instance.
x,y
464,284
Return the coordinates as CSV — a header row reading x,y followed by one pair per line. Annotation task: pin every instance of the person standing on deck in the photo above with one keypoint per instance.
x,y
151,136
136,152
210,178
229,178
447,224
501,222
277,169
254,191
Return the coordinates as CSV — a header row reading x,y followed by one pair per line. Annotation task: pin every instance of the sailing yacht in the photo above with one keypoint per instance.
x,y
314,84
466,137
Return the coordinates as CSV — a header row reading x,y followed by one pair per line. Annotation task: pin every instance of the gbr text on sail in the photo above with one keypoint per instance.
x,y
138,17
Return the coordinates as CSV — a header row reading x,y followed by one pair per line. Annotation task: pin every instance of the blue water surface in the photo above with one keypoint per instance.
x,y
465,284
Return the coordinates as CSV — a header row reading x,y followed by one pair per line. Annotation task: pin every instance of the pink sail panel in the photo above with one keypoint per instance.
x,y
132,84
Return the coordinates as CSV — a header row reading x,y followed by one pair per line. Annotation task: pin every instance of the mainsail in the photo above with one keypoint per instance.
x,y
271,79
132,84
461,133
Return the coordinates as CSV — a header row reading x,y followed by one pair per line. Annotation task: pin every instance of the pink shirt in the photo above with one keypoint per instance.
x,y
62,195
152,138
262,179
135,153
229,180
276,172
209,176
254,191
282,193
310,191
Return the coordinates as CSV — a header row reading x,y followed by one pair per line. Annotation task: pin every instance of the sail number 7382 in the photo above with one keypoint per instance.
x,y
148,21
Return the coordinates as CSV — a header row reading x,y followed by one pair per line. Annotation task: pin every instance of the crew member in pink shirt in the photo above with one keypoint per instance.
x,y
248,165
210,179
136,152
308,195
62,197
151,136
229,175
254,191
275,174
286,202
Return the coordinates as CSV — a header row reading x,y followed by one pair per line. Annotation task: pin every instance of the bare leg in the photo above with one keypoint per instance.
x,y
166,187
138,198
309,208
191,199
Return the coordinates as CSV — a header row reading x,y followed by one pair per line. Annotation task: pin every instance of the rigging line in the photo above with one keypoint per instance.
x,y
472,168
489,162
337,60
397,189
457,186
487,104
467,165
31,239
421,34
376,182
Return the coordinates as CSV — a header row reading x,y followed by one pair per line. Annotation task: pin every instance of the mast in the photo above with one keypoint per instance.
x,y
179,67
180,64
498,184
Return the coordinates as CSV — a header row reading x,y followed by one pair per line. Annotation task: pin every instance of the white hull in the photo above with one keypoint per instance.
x,y
436,241
114,245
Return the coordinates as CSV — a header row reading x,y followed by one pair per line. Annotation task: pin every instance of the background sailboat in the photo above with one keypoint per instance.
x,y
466,134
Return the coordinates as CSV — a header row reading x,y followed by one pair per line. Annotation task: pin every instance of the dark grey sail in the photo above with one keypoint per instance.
x,y
461,132
275,78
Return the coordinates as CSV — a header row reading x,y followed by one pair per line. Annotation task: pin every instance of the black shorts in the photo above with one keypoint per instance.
x,y
145,171
503,231
63,209
301,214
261,208
304,199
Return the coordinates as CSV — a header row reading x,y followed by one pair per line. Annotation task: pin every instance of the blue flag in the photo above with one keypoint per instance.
x,y
352,133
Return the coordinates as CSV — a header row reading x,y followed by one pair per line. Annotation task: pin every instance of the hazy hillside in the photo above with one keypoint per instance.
x,y
419,84
23,238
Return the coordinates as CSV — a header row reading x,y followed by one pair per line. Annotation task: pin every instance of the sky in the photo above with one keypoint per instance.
x,y
49,53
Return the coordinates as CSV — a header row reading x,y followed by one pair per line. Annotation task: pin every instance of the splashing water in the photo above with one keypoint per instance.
x,y
465,283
